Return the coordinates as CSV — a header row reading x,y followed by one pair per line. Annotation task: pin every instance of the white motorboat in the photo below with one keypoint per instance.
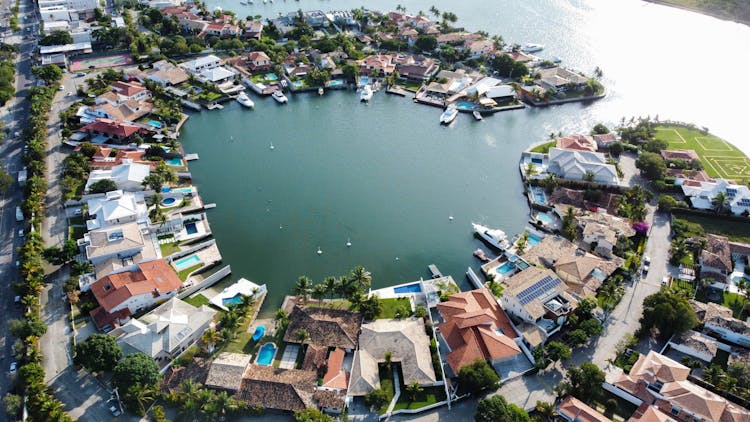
x,y
532,48
245,100
279,96
449,115
477,115
366,93
494,237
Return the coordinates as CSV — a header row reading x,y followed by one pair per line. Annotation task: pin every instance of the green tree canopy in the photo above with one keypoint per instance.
x,y
426,43
6,181
311,415
585,380
49,73
100,352
497,409
103,186
669,312
137,368
651,165
57,38
477,377
376,398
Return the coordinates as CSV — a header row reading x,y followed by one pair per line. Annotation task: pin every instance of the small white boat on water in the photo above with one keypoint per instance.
x,y
279,96
320,91
494,237
477,115
449,115
532,48
245,100
366,93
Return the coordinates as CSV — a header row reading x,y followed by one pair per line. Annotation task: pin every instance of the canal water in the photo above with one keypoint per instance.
x,y
387,176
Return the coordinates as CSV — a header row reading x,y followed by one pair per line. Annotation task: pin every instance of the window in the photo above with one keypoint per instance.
x,y
675,410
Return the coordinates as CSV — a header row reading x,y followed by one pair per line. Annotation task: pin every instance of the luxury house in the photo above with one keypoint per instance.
x,y
716,258
226,371
582,165
120,242
560,79
573,410
324,327
600,231
105,129
702,195
161,72
116,207
127,176
277,389
577,142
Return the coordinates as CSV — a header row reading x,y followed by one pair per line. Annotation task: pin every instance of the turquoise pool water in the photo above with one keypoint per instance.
x,y
266,354
297,84
191,228
545,218
177,162
155,124
539,195
463,105
335,82
271,77
505,268
168,201
364,80
410,288
533,240
183,263
234,300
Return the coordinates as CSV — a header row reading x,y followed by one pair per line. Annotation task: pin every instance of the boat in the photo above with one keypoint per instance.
x,y
245,100
366,93
481,254
279,96
477,115
532,48
320,91
449,115
494,237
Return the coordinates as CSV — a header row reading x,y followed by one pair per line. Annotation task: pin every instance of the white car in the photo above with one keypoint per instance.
x,y
21,233
665,281
115,411
13,367
645,269
646,260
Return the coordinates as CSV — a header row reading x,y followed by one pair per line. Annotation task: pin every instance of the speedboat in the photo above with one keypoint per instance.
x,y
477,114
279,96
532,48
494,237
245,100
449,115
366,93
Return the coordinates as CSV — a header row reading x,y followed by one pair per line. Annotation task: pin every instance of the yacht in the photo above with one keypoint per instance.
x,y
245,100
494,237
366,93
279,96
449,115
532,48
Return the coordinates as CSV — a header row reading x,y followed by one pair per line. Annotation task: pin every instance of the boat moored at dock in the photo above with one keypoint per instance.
x,y
449,115
494,237
366,93
245,100
279,96
532,48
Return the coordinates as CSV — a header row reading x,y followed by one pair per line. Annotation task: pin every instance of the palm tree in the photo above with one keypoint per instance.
x,y
210,337
356,299
530,169
388,356
318,292
302,287
361,277
412,389
546,409
435,12
224,405
329,284
302,336
720,202
141,396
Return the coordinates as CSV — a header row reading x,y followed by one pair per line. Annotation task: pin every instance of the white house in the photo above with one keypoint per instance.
x,y
116,207
201,64
579,165
121,242
127,176
66,10
702,194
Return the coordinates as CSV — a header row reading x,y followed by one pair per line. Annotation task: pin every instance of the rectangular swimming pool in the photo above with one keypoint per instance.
x,y
409,288
190,228
176,161
539,195
533,240
187,262
545,218
505,268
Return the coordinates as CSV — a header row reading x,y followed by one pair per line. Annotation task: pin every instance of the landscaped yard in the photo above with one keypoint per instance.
x,y
733,301
390,308
544,148
197,300
243,343
169,248
719,158
76,232
684,286
735,230
186,272
430,395
386,383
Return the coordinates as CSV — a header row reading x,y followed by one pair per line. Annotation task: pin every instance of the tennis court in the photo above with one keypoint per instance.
x,y
99,62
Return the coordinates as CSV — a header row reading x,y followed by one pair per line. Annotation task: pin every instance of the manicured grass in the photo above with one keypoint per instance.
x,y
544,148
209,96
735,230
733,301
169,248
410,84
197,300
186,272
430,395
77,221
386,383
719,158
244,343
392,306
77,232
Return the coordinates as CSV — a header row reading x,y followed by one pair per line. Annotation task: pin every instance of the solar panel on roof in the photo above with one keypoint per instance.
x,y
538,289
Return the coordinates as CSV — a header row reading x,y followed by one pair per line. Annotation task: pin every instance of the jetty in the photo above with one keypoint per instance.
x,y
191,157
209,206
434,271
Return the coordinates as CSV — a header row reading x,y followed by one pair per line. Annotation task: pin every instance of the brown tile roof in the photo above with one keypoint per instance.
x,y
698,342
707,311
155,276
577,142
717,253
278,389
471,319
578,271
696,175
315,357
329,399
112,127
550,250
226,371
325,327
680,154
576,410
562,195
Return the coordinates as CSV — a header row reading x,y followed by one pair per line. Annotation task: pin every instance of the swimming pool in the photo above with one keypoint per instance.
x,y
271,77
545,218
463,105
298,84
409,288
155,124
176,161
539,196
505,268
364,80
234,300
266,354
259,332
183,263
533,240
183,190
168,201
191,228
335,82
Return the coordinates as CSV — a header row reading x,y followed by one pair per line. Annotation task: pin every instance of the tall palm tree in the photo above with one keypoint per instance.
x,y
388,357
210,337
302,336
356,299
302,287
412,389
224,405
720,202
361,277
435,12
141,396
329,284
546,409
281,317
319,292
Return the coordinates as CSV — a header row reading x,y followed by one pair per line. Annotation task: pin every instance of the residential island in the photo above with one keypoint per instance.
x,y
623,298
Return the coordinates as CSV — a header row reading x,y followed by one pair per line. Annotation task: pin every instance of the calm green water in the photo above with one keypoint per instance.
x,y
387,175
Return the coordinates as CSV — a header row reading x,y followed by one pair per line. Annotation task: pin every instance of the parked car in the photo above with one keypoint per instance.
x,y
646,260
13,367
115,411
665,281
645,270
21,233
80,74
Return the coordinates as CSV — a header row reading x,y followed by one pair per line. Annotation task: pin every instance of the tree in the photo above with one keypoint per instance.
x,y
570,230
557,352
655,145
13,404
585,380
57,38
281,317
667,203
616,149
426,43
668,312
387,357
104,186
370,308
210,337
477,376
413,389
49,73
600,129
497,409
158,414
137,397
578,337
302,336
99,352
376,398
546,409
592,327
137,368
720,202
318,292
651,165
361,278
6,181
311,415
302,287
330,285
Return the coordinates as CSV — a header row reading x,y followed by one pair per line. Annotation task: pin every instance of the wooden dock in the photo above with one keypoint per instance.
x,y
434,271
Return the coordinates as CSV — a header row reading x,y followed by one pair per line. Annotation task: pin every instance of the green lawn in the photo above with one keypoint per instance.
x,y
733,301
386,383
77,232
390,307
169,248
430,395
544,148
719,158
197,300
186,272
735,230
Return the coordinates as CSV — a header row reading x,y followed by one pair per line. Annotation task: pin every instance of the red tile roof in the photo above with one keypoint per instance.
x,y
154,276
470,329
576,410
128,89
335,377
112,127
680,154
577,142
